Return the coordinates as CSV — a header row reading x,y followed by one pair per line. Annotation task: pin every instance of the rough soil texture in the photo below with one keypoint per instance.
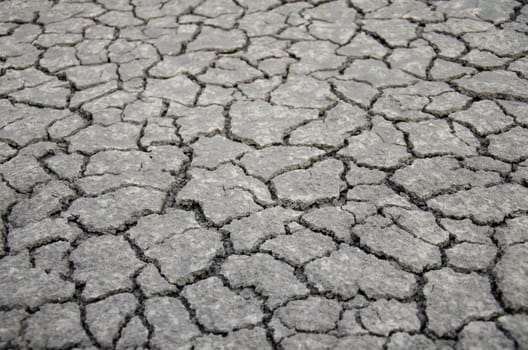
x,y
264,174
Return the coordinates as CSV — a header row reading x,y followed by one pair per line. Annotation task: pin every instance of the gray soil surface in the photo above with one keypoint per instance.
x,y
263,174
